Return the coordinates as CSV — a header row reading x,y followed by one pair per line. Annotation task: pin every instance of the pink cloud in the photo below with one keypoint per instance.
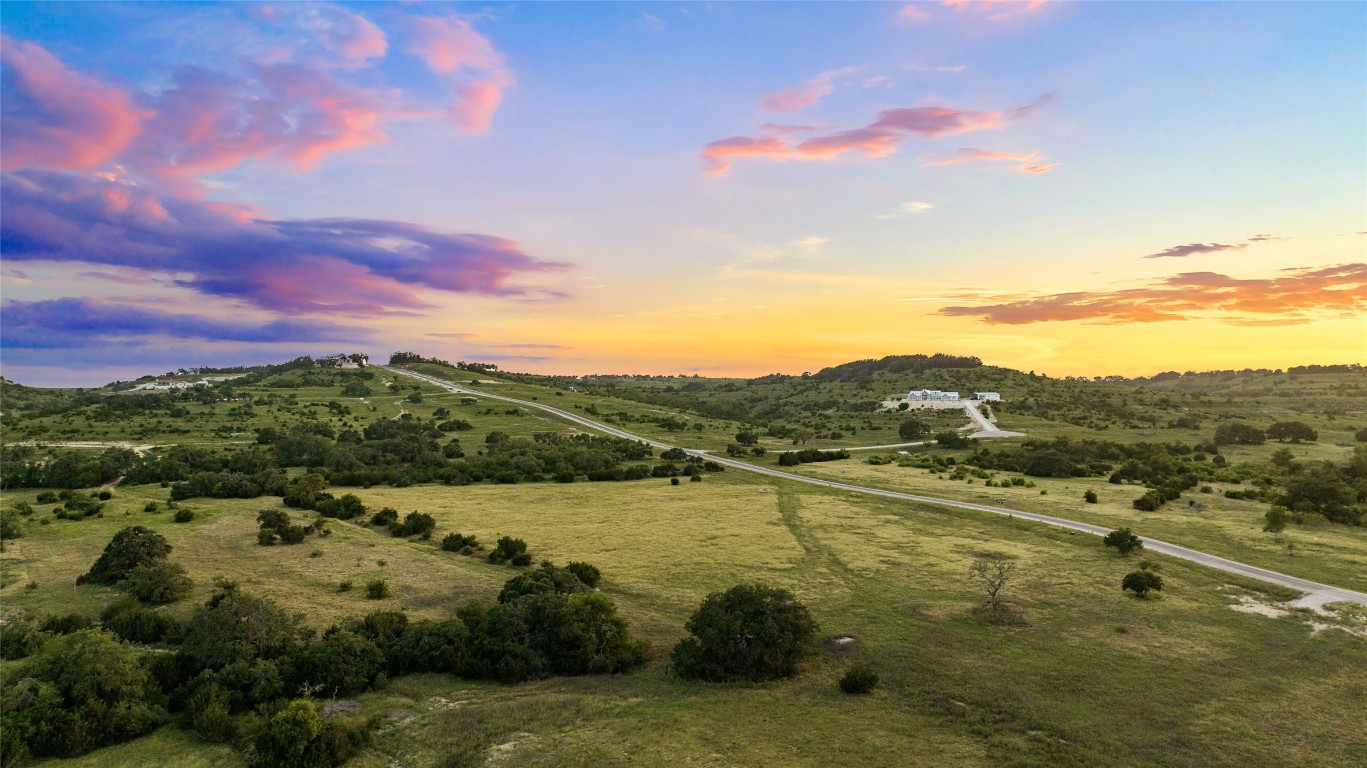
x,y
1297,296
877,139
451,47
1026,163
54,117
207,122
799,97
996,10
357,39
913,12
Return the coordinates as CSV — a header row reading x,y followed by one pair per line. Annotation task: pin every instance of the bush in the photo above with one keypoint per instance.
x,y
49,497
385,517
586,573
1090,497
431,646
184,515
137,623
455,542
749,632
210,713
414,524
1123,541
859,678
151,506
1141,581
376,589
129,549
21,636
912,428
236,627
341,664
80,692
158,582
508,549
1239,433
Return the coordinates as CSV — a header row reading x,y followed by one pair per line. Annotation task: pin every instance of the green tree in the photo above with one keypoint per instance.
x,y
159,581
1124,541
748,632
130,548
1239,433
1140,582
1295,431
912,429
1276,519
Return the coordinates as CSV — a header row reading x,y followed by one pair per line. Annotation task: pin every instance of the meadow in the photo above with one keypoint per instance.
x,y
1211,671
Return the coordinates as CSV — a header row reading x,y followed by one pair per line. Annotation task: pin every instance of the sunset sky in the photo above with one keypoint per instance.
x,y
726,189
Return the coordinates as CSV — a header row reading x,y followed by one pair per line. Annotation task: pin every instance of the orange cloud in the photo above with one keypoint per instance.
x,y
57,118
1297,296
1026,163
877,139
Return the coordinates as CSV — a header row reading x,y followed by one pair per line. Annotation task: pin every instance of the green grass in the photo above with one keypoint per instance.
x,y
1094,677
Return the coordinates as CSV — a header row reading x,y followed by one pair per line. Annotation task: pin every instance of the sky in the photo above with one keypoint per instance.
x,y
1073,188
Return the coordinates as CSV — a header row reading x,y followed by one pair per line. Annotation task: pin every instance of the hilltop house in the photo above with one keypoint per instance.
x,y
920,395
986,396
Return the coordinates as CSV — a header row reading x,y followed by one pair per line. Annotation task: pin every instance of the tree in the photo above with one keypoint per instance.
x,y
747,438
1295,431
993,571
952,439
1048,464
1124,541
748,632
234,626
1276,519
130,548
912,429
1284,459
1140,582
1239,433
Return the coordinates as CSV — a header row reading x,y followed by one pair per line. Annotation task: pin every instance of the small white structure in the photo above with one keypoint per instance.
x,y
921,395
986,396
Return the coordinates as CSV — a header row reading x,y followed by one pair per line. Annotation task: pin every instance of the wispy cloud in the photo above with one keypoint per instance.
x,y
1196,249
996,10
907,209
1296,296
1030,162
801,96
876,139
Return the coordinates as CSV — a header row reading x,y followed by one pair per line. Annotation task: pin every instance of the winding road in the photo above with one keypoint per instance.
x,y
1316,595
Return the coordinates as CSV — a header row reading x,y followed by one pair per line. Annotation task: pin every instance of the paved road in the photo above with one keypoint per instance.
x,y
1316,595
986,428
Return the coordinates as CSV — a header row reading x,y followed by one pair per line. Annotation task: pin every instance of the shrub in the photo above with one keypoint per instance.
x,y
385,517
376,589
49,497
345,585
859,678
210,713
586,573
184,515
151,506
1141,581
508,549
137,623
673,481
1090,497
455,542
341,664
130,548
431,646
414,524
105,495
237,627
749,632
160,581
20,636
1123,540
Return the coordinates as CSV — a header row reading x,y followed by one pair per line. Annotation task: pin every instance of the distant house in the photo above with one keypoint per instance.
x,y
986,396
920,395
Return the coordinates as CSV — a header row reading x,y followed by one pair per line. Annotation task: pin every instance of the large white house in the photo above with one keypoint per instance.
x,y
920,395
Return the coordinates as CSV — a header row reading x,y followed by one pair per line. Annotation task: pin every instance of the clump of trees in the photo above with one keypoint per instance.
x,y
748,632
511,551
809,455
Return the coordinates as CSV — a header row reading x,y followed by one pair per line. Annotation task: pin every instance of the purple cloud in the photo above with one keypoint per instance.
x,y
1192,249
357,266
74,323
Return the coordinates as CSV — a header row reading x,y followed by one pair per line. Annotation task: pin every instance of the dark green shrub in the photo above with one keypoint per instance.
x,y
859,678
234,626
506,549
184,515
431,646
1090,497
65,624
47,497
1123,541
20,636
585,573
341,664
128,549
376,589
749,632
137,623
1140,582
210,714
414,524
521,560
150,506
456,542
385,517
158,582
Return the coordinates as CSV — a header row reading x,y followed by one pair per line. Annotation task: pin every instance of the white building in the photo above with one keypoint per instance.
x,y
921,395
986,396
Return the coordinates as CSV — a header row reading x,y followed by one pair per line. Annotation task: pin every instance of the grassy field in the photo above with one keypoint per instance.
x,y
1092,678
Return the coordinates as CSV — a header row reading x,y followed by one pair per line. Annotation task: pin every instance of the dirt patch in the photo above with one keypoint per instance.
x,y
1319,621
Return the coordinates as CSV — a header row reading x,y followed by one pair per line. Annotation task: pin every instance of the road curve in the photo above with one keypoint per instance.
x,y
1317,595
